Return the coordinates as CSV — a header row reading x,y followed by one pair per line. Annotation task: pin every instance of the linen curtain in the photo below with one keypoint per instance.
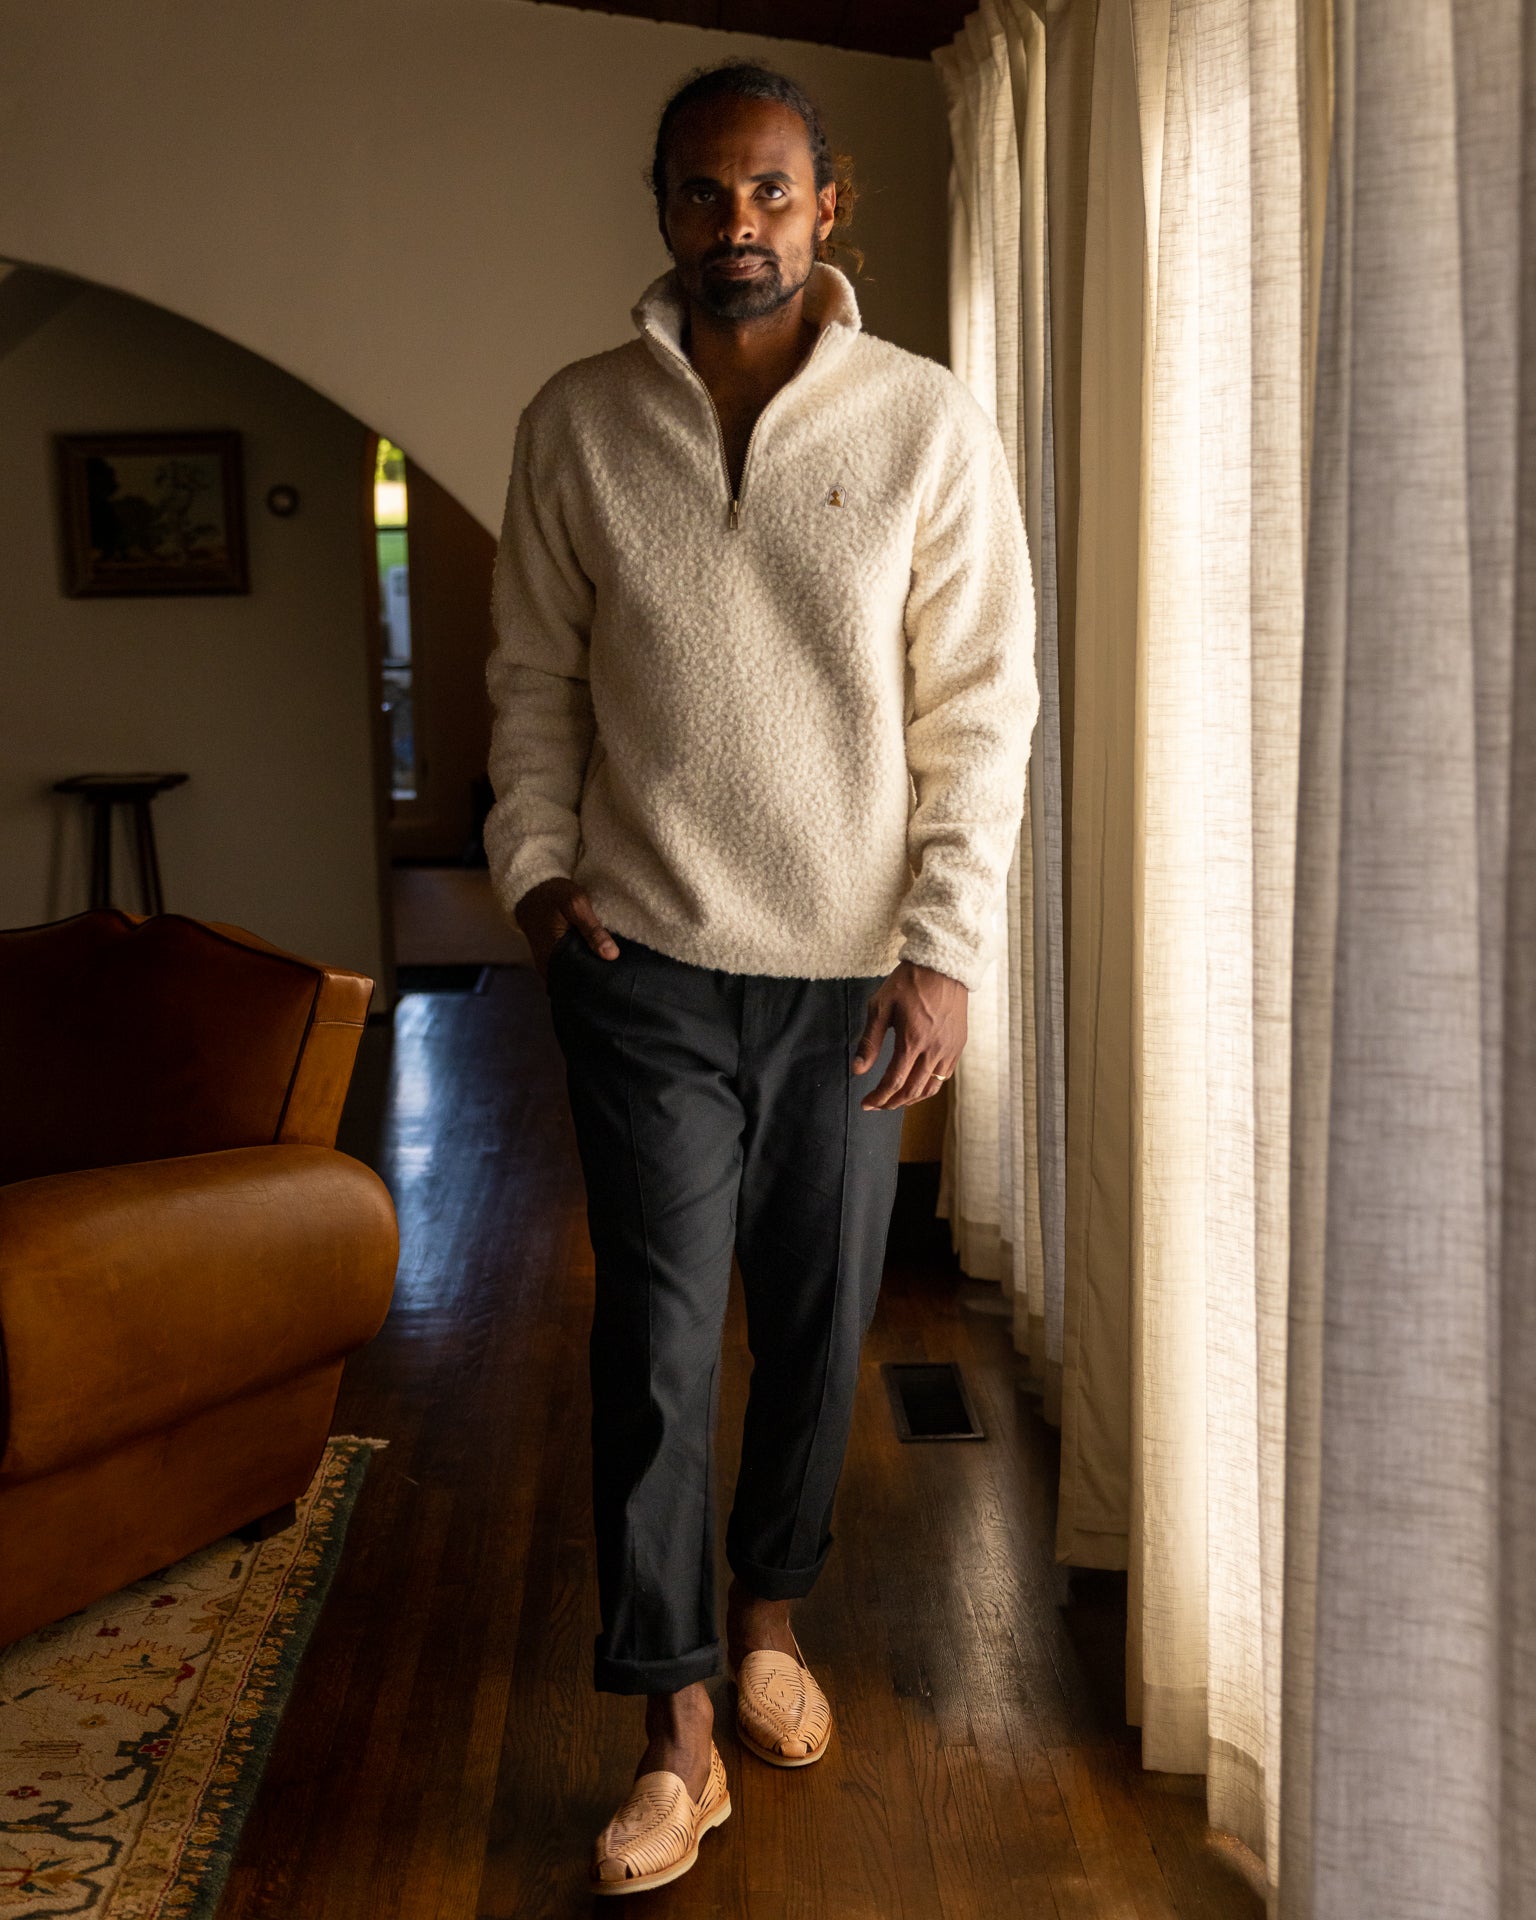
x,y
1226,99
1187,646
1181,222
1284,459
1409,1670
1003,1181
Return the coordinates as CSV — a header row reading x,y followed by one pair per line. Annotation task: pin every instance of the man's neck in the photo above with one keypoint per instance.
x,y
756,355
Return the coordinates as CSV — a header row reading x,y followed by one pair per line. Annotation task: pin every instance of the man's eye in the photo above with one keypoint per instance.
x,y
773,188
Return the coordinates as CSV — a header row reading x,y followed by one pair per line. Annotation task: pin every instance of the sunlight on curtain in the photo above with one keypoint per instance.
x,y
1228,100
1197,250
1003,1178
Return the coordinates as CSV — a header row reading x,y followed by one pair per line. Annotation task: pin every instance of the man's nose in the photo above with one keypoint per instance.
x,y
738,223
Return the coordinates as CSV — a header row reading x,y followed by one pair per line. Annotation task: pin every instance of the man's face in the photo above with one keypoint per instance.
x,y
742,213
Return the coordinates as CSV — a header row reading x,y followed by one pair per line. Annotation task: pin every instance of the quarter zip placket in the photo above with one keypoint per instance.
x,y
736,495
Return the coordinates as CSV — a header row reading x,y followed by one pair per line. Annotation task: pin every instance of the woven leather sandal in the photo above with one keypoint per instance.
x,y
655,1834
782,1715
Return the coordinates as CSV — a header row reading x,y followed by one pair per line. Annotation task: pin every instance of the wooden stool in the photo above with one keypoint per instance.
x,y
102,792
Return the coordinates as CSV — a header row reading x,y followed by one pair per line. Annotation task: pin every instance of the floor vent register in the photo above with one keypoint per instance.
x,y
930,1400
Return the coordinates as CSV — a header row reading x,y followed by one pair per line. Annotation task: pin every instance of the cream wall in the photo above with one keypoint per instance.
x,y
421,210
262,697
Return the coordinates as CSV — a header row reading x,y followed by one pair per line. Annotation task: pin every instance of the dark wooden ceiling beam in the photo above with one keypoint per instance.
x,y
909,29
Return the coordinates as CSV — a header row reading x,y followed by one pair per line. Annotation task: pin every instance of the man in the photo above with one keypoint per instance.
x,y
764,686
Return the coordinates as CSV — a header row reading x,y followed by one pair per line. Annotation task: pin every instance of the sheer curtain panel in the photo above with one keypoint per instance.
x,y
1410,1597
1287,465
1188,210
1003,1175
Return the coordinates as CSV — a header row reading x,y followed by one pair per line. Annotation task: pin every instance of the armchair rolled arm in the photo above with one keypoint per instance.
x,y
133,1296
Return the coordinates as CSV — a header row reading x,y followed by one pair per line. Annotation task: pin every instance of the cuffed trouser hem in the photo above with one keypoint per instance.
x,y
777,1583
654,1676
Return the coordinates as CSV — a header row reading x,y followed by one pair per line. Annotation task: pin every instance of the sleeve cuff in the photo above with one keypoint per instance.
x,y
959,961
510,882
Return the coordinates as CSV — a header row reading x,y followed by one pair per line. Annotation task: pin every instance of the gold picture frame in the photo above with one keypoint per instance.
x,y
152,513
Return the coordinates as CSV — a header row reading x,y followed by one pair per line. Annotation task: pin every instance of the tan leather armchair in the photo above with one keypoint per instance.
x,y
185,1259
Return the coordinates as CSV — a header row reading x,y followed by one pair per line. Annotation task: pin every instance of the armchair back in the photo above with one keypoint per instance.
x,y
127,1037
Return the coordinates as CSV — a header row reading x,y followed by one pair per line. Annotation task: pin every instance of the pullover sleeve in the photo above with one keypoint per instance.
x,y
542,722
972,702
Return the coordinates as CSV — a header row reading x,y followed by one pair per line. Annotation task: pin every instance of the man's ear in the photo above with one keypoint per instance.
x,y
826,209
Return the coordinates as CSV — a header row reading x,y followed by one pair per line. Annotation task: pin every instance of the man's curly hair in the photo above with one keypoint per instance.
x,y
748,80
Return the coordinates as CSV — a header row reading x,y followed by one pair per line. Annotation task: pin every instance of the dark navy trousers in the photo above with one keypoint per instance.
x,y
716,1110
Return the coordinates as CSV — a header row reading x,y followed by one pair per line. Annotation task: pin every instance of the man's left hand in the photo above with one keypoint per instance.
x,y
927,1009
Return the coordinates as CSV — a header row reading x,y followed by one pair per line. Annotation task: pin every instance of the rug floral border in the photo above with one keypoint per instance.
x,y
191,1827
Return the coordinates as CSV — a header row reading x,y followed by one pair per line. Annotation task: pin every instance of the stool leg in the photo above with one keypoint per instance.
x,y
101,851
149,866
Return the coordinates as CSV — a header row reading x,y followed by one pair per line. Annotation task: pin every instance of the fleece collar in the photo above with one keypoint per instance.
x,y
829,303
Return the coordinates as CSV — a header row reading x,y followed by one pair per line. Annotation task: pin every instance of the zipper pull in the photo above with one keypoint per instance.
x,y
735,520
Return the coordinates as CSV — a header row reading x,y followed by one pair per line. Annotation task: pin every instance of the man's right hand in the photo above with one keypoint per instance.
x,y
544,913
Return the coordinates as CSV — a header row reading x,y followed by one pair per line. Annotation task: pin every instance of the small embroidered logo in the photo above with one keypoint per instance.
x,y
835,497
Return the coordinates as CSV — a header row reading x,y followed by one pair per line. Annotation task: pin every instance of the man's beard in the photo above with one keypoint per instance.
x,y
750,299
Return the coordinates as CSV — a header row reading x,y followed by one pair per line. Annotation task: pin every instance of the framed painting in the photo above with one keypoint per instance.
x,y
152,512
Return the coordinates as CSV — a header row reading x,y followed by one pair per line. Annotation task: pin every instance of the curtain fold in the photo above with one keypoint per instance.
x,y
1002,1179
1093,1511
1223,96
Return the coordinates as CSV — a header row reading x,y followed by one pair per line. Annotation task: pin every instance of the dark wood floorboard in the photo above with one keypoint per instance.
x,y
444,1756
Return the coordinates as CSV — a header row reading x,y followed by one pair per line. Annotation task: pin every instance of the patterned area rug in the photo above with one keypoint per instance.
x,y
134,1732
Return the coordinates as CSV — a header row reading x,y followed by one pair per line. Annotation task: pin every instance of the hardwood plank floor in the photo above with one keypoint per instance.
x,y
444,1756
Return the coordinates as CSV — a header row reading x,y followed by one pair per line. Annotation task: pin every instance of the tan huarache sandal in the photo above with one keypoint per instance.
x,y
655,1834
782,1715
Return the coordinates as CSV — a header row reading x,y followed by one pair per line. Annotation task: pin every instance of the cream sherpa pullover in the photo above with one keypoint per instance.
x,y
781,734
